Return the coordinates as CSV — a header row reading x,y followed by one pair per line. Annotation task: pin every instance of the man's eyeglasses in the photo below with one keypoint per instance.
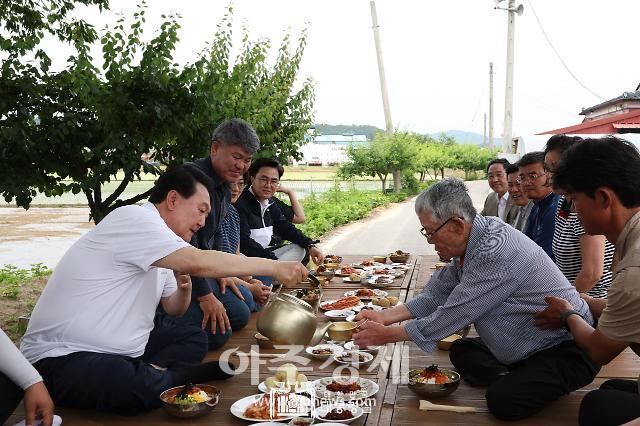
x,y
529,177
430,235
266,181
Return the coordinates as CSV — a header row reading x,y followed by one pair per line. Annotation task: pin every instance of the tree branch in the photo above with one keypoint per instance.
x,y
90,201
97,191
128,178
132,200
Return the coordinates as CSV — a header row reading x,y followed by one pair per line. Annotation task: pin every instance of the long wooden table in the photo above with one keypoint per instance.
x,y
394,403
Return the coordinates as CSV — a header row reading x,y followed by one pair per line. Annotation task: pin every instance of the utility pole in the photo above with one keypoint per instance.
x,y
383,80
508,95
484,134
383,86
490,105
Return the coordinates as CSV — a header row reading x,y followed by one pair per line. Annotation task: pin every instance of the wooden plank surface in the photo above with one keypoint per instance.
x,y
395,404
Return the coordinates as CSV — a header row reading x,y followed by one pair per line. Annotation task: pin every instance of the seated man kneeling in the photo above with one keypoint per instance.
x,y
261,218
91,334
498,280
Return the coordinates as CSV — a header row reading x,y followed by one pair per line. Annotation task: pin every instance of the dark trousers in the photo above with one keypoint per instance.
x,y
616,402
238,311
522,389
10,397
119,383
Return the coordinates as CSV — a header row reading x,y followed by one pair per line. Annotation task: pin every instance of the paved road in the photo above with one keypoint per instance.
x,y
393,229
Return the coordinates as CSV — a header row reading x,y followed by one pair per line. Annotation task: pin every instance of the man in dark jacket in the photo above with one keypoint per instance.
x,y
213,306
261,218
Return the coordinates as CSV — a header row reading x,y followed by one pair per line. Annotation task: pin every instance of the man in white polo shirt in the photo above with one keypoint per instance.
x,y
91,334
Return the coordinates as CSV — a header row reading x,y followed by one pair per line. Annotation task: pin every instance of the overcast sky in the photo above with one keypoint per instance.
x,y
436,56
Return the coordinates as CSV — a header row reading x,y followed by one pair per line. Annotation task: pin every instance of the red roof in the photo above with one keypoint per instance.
x,y
607,125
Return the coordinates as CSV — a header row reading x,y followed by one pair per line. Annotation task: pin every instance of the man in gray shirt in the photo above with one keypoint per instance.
x,y
498,280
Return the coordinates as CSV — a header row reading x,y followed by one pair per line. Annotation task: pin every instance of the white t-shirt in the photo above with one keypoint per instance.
x,y
103,294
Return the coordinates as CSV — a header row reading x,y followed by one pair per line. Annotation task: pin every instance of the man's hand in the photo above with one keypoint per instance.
x,y
374,316
259,291
290,273
38,404
596,306
374,334
316,255
283,189
551,316
213,309
229,282
183,280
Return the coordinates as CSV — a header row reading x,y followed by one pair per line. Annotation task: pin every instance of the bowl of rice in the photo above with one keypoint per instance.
x,y
433,382
190,400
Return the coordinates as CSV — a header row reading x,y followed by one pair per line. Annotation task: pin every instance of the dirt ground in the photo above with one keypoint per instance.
x,y
38,235
17,224
12,309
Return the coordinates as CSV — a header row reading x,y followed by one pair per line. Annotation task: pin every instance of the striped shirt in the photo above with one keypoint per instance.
x,y
567,250
505,279
230,231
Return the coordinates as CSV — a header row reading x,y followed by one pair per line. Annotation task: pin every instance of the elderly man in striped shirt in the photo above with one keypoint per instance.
x,y
498,280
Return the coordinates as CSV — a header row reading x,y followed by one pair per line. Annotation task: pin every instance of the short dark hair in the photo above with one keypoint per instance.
x,y
601,162
531,158
237,132
512,168
560,143
505,163
265,162
182,179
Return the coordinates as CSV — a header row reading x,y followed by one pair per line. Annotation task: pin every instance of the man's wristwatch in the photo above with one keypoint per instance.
x,y
566,315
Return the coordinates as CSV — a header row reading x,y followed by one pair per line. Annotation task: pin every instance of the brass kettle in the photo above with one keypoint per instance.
x,y
287,320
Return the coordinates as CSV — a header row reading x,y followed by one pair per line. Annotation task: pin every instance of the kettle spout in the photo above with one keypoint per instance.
x,y
320,332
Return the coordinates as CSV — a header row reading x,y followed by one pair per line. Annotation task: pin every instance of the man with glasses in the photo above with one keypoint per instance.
x,y
497,280
499,202
534,182
602,178
521,202
261,218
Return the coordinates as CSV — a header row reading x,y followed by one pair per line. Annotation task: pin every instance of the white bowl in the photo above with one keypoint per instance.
x,y
322,411
343,358
335,349
351,346
369,306
339,314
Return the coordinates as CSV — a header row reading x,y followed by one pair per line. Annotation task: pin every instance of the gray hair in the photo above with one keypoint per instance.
x,y
446,199
237,132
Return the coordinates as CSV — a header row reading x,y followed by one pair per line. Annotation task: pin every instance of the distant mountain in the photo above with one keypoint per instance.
x,y
353,129
346,129
463,137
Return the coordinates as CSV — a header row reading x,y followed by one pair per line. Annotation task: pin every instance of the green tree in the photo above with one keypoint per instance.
x,y
83,126
433,157
471,158
382,156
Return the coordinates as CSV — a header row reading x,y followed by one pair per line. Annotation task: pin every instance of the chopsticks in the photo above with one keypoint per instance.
x,y
429,406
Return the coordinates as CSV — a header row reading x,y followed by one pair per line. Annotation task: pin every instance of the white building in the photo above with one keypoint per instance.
x,y
329,149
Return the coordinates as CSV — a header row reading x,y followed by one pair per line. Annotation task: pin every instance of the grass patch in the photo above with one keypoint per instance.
x,y
19,292
335,207
12,278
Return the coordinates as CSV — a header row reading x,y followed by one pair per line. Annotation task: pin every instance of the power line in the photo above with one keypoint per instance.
x,y
558,54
